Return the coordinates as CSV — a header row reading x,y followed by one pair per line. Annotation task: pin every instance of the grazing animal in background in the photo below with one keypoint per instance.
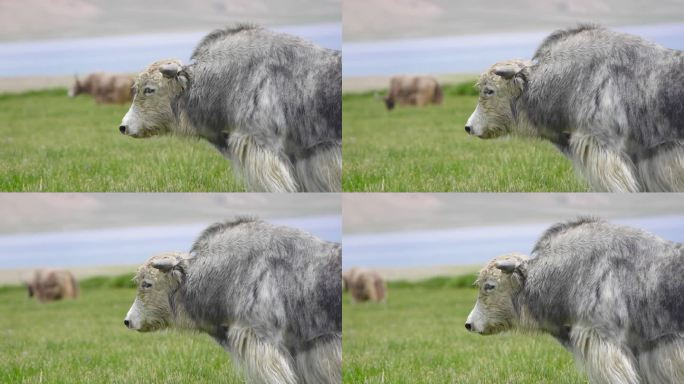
x,y
269,102
610,294
609,101
52,284
105,88
413,90
364,285
269,295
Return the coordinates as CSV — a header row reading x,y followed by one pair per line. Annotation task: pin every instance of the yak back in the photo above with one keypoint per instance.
x,y
265,84
607,276
607,84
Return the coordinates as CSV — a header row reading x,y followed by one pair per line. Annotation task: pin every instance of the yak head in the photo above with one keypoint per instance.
x,y
498,282
158,280
153,92
500,87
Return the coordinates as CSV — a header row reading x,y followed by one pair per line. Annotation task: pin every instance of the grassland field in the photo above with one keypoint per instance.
x,y
427,150
52,143
49,142
418,336
85,341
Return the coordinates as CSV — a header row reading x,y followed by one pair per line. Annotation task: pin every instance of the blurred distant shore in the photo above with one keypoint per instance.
x,y
17,276
377,83
33,83
351,84
21,275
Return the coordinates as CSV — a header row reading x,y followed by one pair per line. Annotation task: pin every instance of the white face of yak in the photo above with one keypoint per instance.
x,y
499,87
157,280
494,312
150,113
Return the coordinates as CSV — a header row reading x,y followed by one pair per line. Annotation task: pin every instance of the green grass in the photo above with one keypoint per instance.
x,y
427,149
85,341
121,281
418,336
52,143
463,281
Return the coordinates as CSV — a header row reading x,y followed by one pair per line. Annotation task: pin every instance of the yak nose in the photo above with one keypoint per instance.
x,y
468,128
468,326
122,129
127,323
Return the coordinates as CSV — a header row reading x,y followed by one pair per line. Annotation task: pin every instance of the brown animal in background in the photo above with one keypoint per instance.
x,y
105,88
52,284
413,90
121,89
364,285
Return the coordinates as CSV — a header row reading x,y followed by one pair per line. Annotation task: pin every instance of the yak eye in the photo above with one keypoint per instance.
x,y
148,90
145,284
488,91
489,287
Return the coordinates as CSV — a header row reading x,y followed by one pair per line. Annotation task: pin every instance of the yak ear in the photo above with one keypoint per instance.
x,y
517,71
176,263
507,71
165,264
516,269
170,70
507,266
510,70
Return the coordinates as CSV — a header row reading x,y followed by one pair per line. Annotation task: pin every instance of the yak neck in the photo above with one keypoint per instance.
x,y
179,316
185,128
523,126
527,322
524,320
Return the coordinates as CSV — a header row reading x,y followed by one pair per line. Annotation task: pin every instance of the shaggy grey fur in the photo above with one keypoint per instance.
x,y
610,101
574,264
271,296
281,283
236,261
282,91
611,294
623,90
622,284
577,69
